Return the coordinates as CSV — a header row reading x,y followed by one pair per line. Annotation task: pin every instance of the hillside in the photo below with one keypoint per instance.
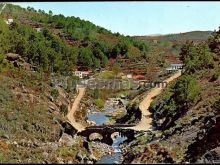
x,y
33,112
170,45
64,44
70,41
186,115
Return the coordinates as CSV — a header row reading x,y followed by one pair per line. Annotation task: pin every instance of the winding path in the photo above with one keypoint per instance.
x,y
146,120
145,123
72,110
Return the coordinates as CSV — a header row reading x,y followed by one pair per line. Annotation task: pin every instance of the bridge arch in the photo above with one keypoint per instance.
x,y
95,137
108,132
114,135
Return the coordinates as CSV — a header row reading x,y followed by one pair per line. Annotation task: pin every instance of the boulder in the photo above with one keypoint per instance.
x,y
92,158
45,155
12,56
60,160
66,140
89,162
5,136
50,146
53,146
80,156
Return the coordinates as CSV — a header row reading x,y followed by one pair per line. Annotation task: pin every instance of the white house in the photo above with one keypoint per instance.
x,y
129,76
38,29
81,74
9,21
174,67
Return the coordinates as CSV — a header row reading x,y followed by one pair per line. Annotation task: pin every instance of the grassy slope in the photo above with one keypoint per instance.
x,y
30,128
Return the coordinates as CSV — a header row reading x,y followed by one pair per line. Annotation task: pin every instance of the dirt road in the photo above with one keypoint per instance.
x,y
145,123
72,109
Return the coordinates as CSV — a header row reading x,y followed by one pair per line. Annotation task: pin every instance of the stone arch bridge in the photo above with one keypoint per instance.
x,y
107,130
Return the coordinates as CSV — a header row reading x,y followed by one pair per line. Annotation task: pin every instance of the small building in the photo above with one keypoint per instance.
x,y
155,41
175,63
174,67
9,21
129,76
82,74
38,29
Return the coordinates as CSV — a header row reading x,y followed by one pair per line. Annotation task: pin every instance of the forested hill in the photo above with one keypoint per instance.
x,y
60,44
171,44
180,38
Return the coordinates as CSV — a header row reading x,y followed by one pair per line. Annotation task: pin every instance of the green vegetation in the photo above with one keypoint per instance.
x,y
214,42
30,114
54,93
99,103
196,57
26,118
185,114
116,69
176,100
49,49
107,75
187,91
64,109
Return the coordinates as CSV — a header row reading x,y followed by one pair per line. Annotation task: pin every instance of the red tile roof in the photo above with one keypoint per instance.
x,y
138,77
173,60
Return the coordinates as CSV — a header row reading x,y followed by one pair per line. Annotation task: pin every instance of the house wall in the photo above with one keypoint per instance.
x,y
81,74
174,67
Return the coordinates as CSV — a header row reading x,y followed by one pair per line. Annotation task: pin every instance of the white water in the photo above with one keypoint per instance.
x,y
115,158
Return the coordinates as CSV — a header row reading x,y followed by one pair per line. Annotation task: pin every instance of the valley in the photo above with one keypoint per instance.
x,y
74,92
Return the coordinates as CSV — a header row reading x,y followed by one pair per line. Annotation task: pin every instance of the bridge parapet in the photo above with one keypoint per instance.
x,y
111,126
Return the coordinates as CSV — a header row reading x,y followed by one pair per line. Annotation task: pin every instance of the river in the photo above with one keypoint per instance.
x,y
100,118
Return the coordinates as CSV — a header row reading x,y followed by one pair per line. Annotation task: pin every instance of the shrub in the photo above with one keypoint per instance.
x,y
167,132
99,103
5,95
2,57
64,109
54,93
196,57
214,77
107,75
187,90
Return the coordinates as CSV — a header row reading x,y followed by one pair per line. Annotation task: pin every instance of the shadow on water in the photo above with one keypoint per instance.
x,y
115,158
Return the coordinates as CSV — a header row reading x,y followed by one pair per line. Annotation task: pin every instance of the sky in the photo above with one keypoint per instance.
x,y
140,18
